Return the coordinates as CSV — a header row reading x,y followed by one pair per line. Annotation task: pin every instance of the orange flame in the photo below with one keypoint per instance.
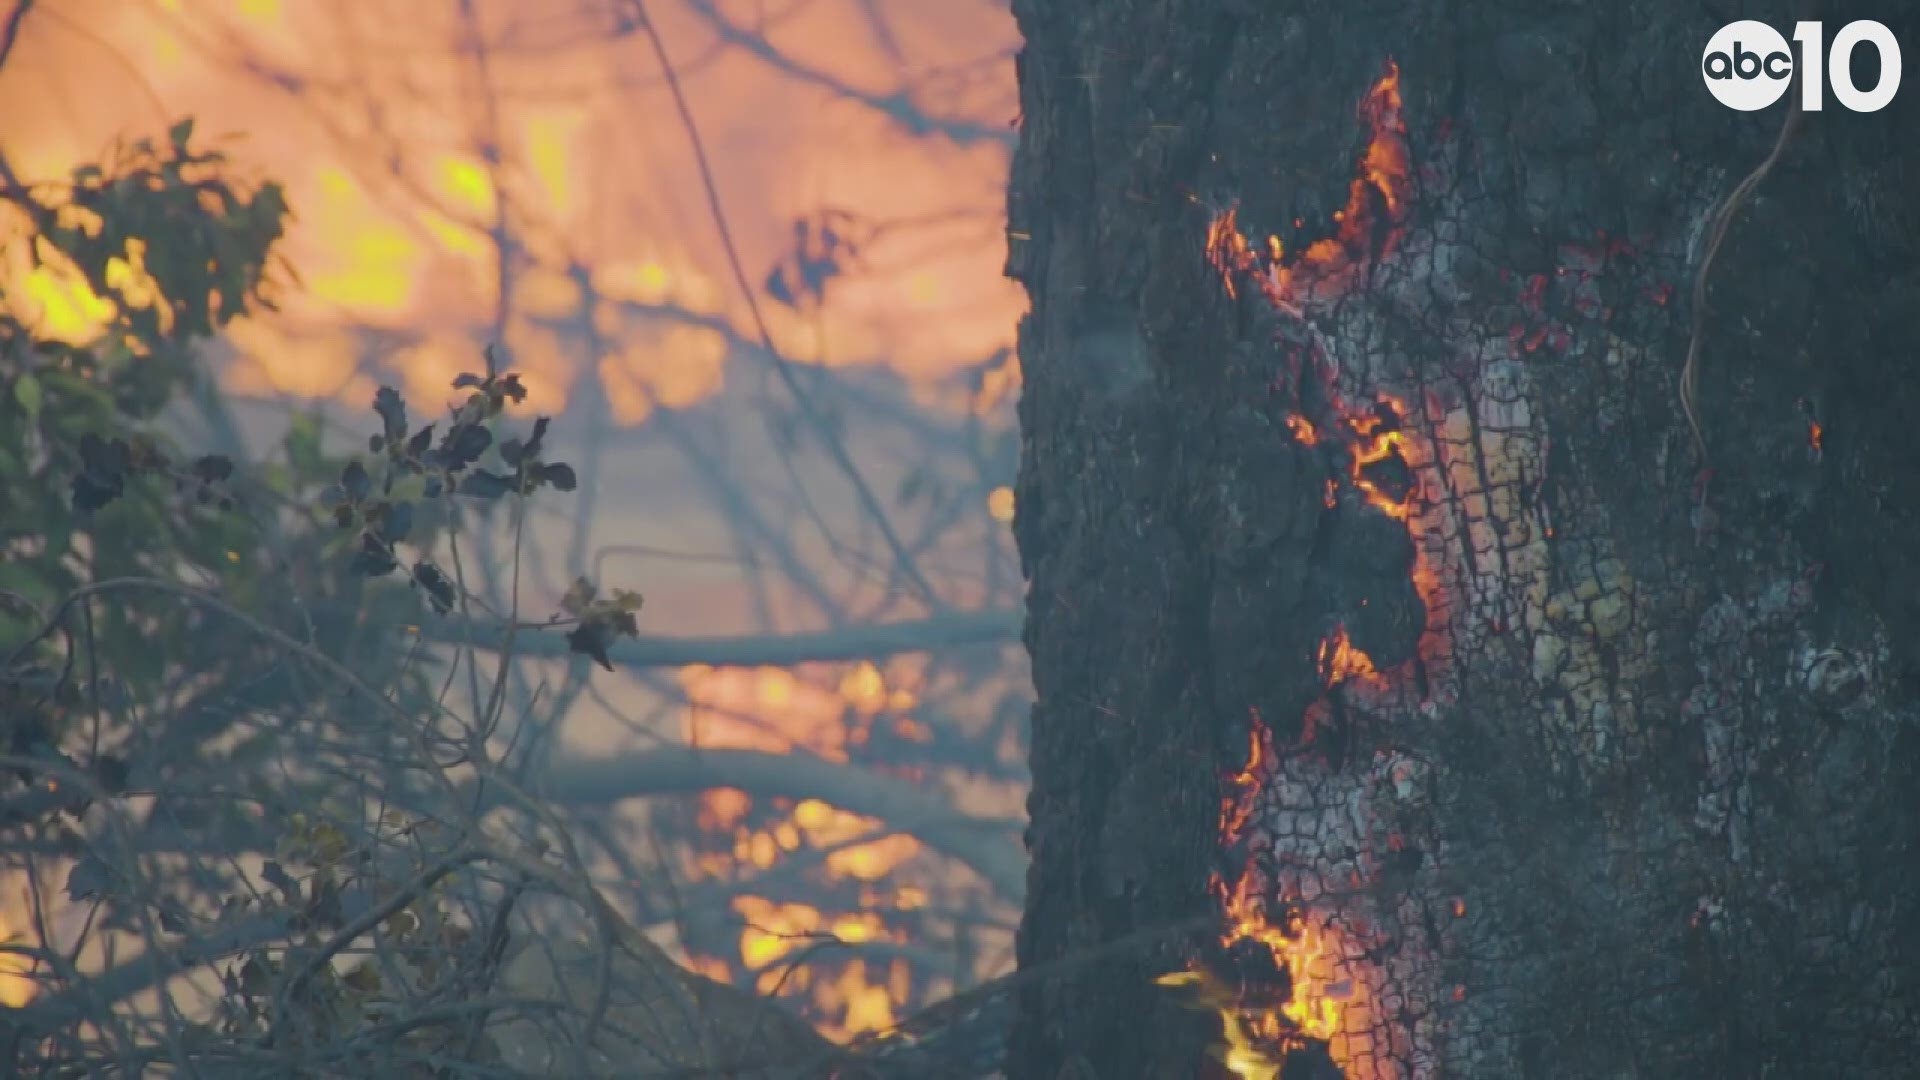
x,y
1326,1002
1368,225
1228,250
1378,446
1340,661
1302,429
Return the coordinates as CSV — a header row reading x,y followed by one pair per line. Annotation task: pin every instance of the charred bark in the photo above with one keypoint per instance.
x,y
1586,750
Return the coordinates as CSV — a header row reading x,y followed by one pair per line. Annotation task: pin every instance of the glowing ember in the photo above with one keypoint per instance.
x,y
1380,444
1377,202
1273,942
1290,970
1302,429
1340,661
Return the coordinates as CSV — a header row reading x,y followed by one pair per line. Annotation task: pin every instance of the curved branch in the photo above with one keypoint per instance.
x,y
898,106
849,643
980,843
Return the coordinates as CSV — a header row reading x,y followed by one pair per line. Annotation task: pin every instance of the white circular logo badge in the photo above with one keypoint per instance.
x,y
1747,65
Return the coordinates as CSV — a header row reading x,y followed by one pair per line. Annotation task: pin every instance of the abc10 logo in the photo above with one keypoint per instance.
x,y
1748,65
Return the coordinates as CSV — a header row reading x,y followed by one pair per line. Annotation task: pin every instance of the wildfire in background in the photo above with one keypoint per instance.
x,y
1291,969
413,143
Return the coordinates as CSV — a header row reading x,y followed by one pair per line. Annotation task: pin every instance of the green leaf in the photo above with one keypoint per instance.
x,y
29,393
180,133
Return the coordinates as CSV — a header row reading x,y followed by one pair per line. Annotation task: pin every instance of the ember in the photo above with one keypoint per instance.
x,y
1340,661
1302,429
1377,202
1280,916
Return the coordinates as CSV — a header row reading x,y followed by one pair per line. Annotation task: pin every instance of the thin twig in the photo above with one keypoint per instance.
x,y
782,366
10,30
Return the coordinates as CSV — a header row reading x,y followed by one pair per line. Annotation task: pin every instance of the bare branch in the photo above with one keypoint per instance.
x,y
852,643
981,844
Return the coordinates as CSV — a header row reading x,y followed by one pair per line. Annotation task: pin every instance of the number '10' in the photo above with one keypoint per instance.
x,y
1808,34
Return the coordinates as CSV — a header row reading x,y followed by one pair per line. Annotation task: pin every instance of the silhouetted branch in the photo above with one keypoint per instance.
x,y
897,106
822,430
983,845
752,650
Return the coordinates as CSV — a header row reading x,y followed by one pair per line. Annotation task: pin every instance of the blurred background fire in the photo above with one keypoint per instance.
x,y
516,172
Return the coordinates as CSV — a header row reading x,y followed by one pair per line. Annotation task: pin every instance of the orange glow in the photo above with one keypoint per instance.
x,y
1323,957
1377,202
1000,504
776,710
1227,249
1378,446
663,366
1814,432
1340,661
1325,1002
783,932
409,163
864,687
16,985
401,159
1302,429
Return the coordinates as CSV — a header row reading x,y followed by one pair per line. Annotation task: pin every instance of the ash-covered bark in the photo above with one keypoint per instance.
x,y
1631,791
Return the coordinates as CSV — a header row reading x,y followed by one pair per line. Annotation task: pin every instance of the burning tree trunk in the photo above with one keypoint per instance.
x,y
1513,713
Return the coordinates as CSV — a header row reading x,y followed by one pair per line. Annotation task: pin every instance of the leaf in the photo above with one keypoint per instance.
x,y
628,601
103,472
363,978
393,413
422,439
374,559
90,878
437,586
29,393
466,379
463,445
276,875
592,638
254,978
396,522
403,924
355,482
482,484
110,772
579,596
212,468
179,133
329,844
558,475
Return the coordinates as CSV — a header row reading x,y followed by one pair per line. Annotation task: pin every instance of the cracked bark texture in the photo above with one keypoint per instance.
x,y
1634,796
